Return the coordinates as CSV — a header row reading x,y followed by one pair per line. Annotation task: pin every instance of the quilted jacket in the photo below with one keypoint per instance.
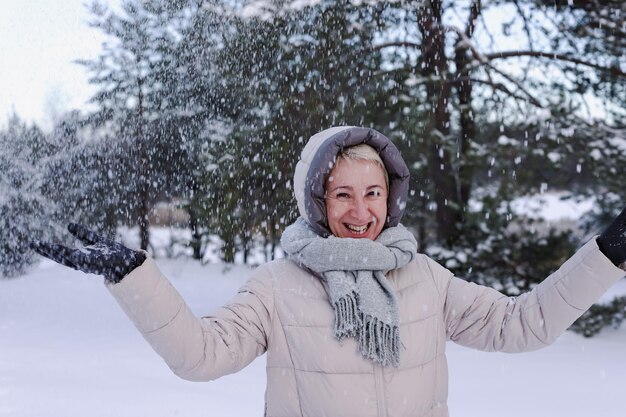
x,y
284,311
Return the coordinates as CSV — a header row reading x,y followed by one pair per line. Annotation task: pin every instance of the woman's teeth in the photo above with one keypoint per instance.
x,y
357,229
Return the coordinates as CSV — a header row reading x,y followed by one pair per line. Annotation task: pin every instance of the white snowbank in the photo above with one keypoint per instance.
x,y
552,206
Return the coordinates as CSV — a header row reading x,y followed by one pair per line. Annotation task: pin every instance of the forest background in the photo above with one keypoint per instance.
x,y
204,106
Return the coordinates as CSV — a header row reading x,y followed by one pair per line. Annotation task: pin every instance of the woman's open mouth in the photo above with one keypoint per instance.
x,y
359,230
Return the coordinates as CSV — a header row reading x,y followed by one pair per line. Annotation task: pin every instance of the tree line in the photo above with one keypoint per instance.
x,y
209,103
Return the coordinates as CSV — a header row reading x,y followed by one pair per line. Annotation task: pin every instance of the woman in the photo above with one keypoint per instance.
x,y
354,321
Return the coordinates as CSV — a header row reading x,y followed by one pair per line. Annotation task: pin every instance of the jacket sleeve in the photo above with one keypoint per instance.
x,y
198,349
482,318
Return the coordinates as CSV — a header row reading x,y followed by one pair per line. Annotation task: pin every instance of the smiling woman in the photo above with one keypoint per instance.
x,y
355,320
356,195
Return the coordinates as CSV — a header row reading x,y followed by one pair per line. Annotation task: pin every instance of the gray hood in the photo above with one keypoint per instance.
x,y
318,158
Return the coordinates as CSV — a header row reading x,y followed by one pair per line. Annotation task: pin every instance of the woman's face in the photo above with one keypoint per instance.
x,y
356,199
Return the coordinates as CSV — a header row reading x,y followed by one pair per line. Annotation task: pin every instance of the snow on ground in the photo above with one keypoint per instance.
x,y
552,206
66,349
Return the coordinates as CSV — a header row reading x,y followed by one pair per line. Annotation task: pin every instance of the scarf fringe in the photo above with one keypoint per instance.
x,y
380,341
377,340
348,319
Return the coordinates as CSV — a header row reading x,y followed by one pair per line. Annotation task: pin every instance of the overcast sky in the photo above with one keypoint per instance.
x,y
39,39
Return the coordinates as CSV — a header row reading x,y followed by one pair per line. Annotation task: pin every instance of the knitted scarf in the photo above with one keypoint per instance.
x,y
354,271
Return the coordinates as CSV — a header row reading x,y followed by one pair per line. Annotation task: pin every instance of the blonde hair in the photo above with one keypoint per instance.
x,y
363,152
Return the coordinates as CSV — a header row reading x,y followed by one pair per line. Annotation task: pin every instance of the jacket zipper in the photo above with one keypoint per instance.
x,y
380,392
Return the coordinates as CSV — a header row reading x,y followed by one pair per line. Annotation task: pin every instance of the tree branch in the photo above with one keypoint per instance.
x,y
405,44
353,55
486,29
614,70
454,81
532,99
529,38
495,85
475,10
526,25
364,51
465,42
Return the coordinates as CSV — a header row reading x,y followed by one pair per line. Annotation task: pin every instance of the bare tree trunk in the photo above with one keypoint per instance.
x,y
435,66
245,246
421,226
266,241
468,127
144,232
272,224
143,194
196,236
229,249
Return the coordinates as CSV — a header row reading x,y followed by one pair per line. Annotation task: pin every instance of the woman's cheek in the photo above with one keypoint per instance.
x,y
333,211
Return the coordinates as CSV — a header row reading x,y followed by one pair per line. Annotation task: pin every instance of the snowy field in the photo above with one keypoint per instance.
x,y
66,349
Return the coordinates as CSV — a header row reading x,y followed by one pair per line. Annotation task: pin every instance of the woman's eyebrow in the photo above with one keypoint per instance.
x,y
341,186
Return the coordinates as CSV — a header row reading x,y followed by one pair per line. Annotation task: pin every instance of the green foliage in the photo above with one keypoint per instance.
x,y
144,150
26,213
279,83
275,77
600,316
507,253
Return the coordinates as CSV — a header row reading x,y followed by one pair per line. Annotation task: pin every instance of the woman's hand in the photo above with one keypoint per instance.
x,y
100,255
612,241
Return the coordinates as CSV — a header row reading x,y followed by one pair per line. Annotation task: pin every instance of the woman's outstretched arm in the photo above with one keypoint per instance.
x,y
198,349
482,318
194,348
485,319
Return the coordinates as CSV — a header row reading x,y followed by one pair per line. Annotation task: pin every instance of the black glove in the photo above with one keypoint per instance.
x,y
612,242
100,256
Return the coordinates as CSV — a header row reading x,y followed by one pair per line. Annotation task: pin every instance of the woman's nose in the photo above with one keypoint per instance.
x,y
360,209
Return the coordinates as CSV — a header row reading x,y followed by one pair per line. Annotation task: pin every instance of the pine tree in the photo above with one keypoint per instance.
x,y
26,214
134,77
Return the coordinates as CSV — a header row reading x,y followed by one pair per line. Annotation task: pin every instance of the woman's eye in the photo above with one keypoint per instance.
x,y
375,193
342,195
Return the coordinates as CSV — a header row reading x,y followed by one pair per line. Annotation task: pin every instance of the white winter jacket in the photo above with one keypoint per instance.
x,y
284,311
